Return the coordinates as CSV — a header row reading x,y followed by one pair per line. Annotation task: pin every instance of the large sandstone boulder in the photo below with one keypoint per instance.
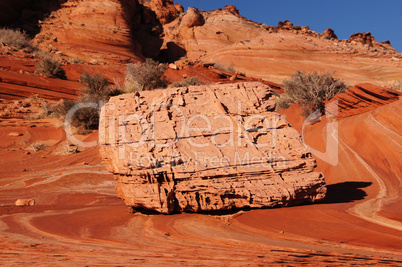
x,y
192,18
206,148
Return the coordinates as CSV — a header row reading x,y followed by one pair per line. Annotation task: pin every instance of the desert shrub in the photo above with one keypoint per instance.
x,y
96,87
14,39
187,82
397,85
61,108
297,27
283,102
85,120
145,76
311,90
75,61
39,146
51,68
223,67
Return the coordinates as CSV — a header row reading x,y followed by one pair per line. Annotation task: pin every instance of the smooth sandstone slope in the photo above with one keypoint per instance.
x,y
205,148
91,30
369,149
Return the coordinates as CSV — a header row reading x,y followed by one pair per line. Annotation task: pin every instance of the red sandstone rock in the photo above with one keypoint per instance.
x,y
25,202
165,10
330,33
232,9
192,18
286,25
362,37
206,148
92,30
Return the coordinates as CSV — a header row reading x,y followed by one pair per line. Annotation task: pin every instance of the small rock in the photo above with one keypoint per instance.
x,y
282,232
15,134
173,66
25,202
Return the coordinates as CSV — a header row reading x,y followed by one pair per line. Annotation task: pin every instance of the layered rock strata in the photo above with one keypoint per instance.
x,y
206,148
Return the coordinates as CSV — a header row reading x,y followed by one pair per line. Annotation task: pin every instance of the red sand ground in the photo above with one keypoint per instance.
x,y
78,219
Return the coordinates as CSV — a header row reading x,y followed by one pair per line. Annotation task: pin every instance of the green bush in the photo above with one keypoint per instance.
x,y
187,82
14,39
50,68
311,90
145,76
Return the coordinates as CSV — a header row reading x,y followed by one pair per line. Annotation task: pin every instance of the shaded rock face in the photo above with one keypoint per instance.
x,y
165,10
232,9
362,37
205,148
24,14
286,25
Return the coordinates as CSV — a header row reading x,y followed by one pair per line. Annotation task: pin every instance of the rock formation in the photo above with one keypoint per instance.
x,y
330,33
363,38
366,39
165,10
232,9
192,18
285,25
92,30
274,53
206,148
24,202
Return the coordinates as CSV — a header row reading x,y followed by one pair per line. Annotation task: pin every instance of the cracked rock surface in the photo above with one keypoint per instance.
x,y
206,148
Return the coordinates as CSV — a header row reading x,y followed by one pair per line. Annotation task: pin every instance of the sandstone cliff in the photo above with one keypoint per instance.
x,y
206,148
274,53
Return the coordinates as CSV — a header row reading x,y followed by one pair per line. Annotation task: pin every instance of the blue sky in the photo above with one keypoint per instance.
x,y
382,18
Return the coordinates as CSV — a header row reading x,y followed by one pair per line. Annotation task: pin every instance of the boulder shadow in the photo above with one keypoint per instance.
x,y
345,192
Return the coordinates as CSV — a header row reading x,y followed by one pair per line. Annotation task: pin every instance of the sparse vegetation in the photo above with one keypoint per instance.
x,y
39,146
75,61
187,82
311,90
85,118
283,102
229,68
397,85
297,27
145,76
50,68
14,39
96,87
